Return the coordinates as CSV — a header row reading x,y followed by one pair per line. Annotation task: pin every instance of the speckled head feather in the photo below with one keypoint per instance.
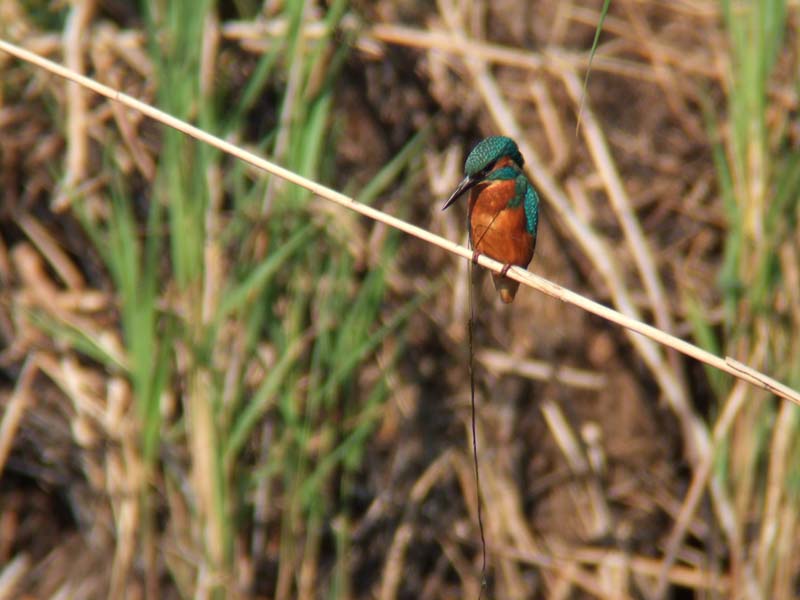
x,y
489,150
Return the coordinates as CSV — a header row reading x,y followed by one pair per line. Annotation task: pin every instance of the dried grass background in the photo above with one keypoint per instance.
x,y
611,468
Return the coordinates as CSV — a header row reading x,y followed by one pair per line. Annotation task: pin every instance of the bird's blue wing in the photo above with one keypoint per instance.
x,y
530,199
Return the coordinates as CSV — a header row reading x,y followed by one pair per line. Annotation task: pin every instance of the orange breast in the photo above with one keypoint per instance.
x,y
498,231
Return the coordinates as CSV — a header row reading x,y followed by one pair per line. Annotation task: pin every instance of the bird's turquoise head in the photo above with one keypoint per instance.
x,y
482,161
488,152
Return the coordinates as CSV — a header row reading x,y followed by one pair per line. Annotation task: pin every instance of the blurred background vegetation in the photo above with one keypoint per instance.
x,y
214,384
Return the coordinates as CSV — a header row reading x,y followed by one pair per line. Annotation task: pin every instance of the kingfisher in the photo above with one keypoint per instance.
x,y
503,210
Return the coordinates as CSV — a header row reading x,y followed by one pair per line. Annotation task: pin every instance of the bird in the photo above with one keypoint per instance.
x,y
503,211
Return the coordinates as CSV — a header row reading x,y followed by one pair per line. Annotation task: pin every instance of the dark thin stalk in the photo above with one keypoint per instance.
x,y
470,330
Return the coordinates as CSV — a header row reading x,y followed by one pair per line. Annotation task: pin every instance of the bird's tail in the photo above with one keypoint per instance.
x,y
507,288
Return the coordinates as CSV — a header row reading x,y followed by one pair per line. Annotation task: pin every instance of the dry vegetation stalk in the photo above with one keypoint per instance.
x,y
527,278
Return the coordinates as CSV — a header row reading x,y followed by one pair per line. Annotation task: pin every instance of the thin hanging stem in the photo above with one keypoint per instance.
x,y
470,335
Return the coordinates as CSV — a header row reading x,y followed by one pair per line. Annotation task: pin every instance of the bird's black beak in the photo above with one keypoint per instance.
x,y
465,184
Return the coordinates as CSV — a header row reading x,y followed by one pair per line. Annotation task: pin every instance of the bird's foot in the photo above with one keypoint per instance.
x,y
504,270
475,255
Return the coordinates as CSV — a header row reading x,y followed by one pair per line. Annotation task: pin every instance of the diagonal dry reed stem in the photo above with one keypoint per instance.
x,y
527,278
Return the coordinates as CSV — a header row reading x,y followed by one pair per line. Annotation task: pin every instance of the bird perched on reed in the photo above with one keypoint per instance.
x,y
503,208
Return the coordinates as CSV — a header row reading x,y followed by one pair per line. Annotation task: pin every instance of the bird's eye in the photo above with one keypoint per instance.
x,y
488,168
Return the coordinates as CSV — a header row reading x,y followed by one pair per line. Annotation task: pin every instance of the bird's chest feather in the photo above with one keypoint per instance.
x,y
498,230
